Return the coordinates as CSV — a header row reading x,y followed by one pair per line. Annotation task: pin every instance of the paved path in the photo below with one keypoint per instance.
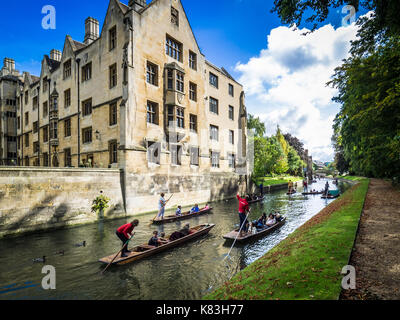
x,y
376,256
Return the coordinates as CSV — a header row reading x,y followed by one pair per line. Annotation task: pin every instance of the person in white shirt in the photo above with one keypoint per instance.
x,y
271,220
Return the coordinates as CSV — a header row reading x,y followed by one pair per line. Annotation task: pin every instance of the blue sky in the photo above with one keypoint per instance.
x,y
230,33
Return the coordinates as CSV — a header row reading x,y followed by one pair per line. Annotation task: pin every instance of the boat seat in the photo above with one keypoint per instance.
x,y
145,247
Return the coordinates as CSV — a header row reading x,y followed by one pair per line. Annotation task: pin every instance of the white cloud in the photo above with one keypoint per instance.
x,y
286,83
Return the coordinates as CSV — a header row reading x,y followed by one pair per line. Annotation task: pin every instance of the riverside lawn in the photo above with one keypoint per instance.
x,y
307,265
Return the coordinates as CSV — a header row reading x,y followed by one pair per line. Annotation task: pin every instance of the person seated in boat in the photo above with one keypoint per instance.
x,y
186,230
207,207
162,237
155,241
178,212
195,209
260,223
271,220
278,217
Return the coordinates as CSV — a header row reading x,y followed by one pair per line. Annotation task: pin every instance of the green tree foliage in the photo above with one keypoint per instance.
x,y
295,164
296,144
384,23
368,124
270,157
257,125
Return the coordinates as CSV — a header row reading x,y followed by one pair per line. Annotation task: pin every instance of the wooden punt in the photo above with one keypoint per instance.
x,y
144,251
186,215
329,196
255,201
289,193
233,234
312,193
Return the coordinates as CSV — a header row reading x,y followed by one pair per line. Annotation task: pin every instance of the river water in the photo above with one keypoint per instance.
x,y
186,272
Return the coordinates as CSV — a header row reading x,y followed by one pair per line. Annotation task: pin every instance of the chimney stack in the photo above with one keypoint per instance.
x,y
9,64
137,4
91,30
55,55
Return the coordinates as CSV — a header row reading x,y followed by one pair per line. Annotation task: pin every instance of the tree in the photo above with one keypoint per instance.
x,y
368,125
384,23
295,164
257,125
296,144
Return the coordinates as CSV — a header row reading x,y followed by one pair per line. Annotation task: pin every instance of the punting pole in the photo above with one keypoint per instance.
x,y
241,227
117,254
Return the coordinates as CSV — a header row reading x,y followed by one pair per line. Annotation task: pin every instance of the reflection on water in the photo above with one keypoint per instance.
x,y
186,272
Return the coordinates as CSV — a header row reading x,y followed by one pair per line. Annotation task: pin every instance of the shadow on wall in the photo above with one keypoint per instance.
x,y
223,189
36,216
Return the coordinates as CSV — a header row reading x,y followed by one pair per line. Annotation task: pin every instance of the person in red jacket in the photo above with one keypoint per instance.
x,y
124,233
243,210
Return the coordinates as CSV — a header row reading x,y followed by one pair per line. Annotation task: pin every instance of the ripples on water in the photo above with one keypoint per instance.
x,y
186,272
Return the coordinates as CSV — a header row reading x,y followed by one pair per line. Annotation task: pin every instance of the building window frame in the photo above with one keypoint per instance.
x,y
214,105
214,133
231,113
87,72
215,159
193,123
67,158
152,112
87,107
67,69
113,151
112,33
214,80
87,135
173,48
67,128
113,75
193,91
192,60
113,114
67,98
152,73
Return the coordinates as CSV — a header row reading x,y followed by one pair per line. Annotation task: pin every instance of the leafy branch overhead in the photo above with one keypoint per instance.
x,y
384,22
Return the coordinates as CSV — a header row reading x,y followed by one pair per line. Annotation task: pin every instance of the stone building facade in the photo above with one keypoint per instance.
x,y
138,93
10,82
140,96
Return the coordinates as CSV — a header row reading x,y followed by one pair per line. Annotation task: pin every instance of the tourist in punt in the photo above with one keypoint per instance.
x,y
178,212
305,185
278,217
326,188
155,240
243,210
161,207
290,186
124,233
261,221
195,209
271,220
207,207
186,230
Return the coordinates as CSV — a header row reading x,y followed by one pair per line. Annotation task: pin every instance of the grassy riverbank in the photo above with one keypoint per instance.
x,y
269,181
308,263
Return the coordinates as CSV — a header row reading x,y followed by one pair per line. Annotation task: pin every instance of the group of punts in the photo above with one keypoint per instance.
x,y
143,251
234,235
186,215
256,200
